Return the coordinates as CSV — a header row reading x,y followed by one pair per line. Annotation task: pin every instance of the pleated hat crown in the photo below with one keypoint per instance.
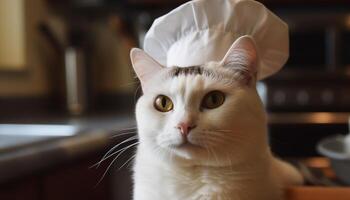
x,y
201,31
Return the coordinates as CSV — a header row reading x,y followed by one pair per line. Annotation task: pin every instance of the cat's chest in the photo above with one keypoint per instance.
x,y
201,184
220,185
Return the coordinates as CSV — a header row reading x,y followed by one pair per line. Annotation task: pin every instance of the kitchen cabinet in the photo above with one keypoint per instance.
x,y
76,181
28,189
72,180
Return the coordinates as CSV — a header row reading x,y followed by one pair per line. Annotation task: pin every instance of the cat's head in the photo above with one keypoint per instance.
x,y
202,115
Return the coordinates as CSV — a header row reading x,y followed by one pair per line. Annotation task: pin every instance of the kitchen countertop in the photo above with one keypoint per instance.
x,y
93,133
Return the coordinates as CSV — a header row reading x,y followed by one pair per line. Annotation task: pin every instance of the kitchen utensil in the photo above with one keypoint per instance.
x,y
337,149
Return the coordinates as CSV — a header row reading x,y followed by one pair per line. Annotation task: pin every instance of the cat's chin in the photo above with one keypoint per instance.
x,y
185,146
188,151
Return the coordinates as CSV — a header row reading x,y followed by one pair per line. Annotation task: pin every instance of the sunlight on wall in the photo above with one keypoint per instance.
x,y
12,35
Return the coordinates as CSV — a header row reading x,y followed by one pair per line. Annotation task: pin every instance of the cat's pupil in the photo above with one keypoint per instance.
x,y
214,99
164,101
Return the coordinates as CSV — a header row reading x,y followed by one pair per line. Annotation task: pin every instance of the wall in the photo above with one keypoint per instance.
x,y
111,64
32,82
12,54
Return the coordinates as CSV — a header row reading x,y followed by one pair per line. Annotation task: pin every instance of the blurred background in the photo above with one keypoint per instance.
x,y
67,90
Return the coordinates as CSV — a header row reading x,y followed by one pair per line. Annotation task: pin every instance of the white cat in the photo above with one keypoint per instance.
x,y
203,132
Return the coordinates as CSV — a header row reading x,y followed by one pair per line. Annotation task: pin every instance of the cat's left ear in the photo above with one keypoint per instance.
x,y
242,56
144,65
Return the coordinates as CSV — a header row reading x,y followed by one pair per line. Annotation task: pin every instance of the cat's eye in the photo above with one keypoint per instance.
x,y
163,103
213,100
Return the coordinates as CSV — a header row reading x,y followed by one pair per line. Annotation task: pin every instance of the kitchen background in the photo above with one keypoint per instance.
x,y
67,89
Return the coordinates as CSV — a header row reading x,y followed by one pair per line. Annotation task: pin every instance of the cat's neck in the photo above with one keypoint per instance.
x,y
255,165
252,178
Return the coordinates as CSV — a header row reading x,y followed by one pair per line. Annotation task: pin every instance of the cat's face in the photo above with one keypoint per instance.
x,y
207,115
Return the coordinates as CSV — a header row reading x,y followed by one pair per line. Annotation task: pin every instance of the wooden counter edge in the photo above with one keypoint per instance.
x,y
317,193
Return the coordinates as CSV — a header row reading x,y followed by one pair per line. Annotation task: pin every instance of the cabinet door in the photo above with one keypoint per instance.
x,y
76,181
21,190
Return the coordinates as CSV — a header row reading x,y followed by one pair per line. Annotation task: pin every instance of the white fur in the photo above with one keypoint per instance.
x,y
239,165
229,159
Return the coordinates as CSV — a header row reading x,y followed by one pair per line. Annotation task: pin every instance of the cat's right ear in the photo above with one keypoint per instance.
x,y
144,66
242,57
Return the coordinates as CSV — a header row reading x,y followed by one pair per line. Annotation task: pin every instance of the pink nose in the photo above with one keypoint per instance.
x,y
185,128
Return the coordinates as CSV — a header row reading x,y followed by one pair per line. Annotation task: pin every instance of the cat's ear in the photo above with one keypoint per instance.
x,y
242,56
144,65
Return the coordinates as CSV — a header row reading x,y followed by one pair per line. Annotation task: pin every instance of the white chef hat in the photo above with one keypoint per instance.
x,y
200,31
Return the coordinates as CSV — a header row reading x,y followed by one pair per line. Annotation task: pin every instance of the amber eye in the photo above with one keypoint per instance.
x,y
163,103
213,100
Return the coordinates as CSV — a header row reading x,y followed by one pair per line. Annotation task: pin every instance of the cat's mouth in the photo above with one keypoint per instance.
x,y
186,145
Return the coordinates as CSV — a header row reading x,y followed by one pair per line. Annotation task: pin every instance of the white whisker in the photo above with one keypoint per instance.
x,y
127,161
106,156
109,166
122,134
